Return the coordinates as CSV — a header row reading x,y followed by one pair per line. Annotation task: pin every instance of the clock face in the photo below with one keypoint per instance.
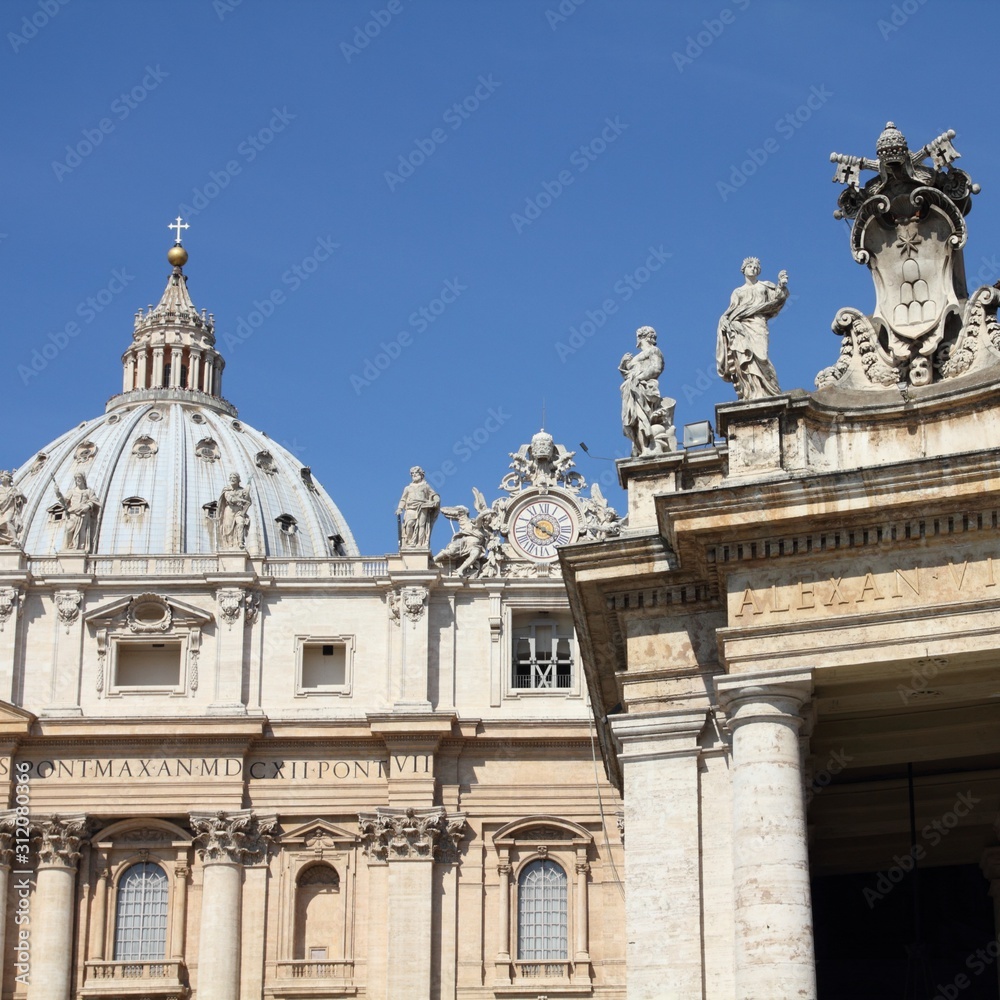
x,y
542,525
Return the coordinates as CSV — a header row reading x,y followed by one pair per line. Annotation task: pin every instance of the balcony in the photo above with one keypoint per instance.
x,y
548,977
311,978
150,978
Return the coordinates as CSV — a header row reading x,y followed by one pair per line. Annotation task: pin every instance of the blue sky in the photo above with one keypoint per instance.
x,y
494,176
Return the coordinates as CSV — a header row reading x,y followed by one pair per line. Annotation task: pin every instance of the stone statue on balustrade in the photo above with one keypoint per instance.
x,y
12,502
647,417
741,348
417,511
232,514
81,506
475,540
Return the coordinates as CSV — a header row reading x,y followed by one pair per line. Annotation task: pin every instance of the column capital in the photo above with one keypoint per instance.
x,y
8,829
240,837
775,694
59,839
394,834
654,735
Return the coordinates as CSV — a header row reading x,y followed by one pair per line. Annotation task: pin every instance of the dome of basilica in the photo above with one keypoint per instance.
x,y
159,458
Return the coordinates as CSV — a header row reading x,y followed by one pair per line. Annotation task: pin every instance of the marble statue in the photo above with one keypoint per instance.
x,y
908,228
81,506
418,510
12,502
600,520
741,344
471,541
232,514
647,417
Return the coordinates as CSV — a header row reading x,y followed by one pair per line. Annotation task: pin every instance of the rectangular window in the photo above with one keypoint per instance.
x,y
148,665
542,652
324,664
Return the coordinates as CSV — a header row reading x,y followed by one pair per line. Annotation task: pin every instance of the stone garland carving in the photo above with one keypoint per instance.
x,y
741,350
239,837
10,604
68,606
82,507
12,502
58,840
407,834
647,417
416,512
909,229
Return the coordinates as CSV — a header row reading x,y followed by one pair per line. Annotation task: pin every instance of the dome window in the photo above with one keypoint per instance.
x,y
144,447
56,512
134,507
40,459
85,452
211,509
207,450
307,478
286,523
337,544
265,462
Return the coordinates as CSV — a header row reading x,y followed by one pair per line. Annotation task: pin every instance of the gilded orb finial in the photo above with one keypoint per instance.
x,y
177,256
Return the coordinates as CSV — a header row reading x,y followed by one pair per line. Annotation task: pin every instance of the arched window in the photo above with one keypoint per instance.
x,y
141,915
541,912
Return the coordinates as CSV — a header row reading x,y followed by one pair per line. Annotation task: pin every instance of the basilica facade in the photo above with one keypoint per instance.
x,y
243,760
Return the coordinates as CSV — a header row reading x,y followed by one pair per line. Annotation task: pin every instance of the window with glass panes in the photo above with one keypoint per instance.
x,y
141,918
543,654
541,912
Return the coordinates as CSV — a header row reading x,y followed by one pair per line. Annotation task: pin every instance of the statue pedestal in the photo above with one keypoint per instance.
x,y
12,560
411,559
73,562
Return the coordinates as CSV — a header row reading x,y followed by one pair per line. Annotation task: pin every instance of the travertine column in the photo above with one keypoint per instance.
x,y
663,919
128,378
582,957
142,372
157,378
194,374
990,865
407,839
226,840
52,908
772,908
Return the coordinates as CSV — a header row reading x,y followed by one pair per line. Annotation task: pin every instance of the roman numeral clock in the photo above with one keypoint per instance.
x,y
541,522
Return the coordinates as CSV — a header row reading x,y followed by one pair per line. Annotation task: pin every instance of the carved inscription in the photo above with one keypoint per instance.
x,y
865,590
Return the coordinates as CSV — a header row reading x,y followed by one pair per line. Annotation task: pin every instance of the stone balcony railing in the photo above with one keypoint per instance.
x,y
199,565
548,971
320,969
156,977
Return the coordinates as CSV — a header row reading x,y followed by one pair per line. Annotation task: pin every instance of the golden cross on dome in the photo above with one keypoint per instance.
x,y
178,225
